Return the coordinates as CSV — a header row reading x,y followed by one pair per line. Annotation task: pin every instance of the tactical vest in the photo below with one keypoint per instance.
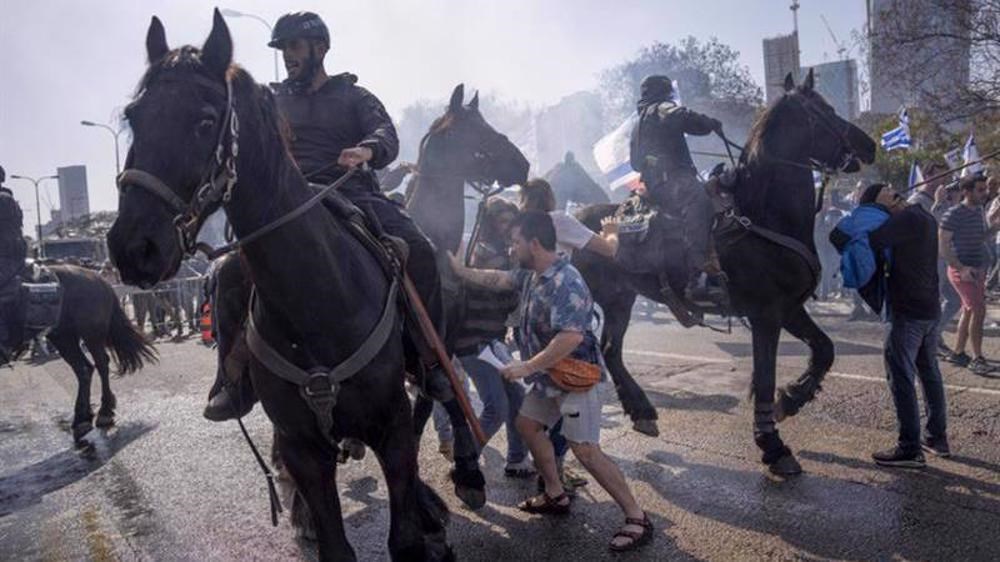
x,y
658,147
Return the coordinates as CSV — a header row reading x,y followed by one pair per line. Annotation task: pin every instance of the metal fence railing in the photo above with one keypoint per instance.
x,y
170,307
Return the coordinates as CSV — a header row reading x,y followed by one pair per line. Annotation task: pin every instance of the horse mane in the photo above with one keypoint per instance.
x,y
762,128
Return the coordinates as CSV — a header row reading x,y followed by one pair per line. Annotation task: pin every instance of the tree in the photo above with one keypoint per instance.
x,y
931,142
706,72
915,38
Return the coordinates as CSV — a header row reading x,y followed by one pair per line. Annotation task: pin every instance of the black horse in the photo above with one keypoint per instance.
x,y
319,290
461,147
91,314
769,280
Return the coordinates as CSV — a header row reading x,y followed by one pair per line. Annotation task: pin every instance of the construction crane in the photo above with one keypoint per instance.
x,y
841,50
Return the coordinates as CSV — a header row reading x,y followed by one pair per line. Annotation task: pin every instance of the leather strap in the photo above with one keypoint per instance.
x,y
349,367
154,184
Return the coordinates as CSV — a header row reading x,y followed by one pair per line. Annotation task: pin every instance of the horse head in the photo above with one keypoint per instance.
x,y
829,141
183,153
462,144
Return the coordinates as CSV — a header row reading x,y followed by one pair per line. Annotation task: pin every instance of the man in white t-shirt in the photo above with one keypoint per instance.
x,y
571,234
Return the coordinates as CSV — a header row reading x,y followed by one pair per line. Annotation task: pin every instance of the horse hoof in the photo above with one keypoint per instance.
x,y
105,421
81,430
355,448
473,498
785,466
646,427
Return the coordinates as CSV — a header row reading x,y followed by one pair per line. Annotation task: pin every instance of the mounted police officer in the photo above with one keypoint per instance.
x,y
13,251
659,152
335,126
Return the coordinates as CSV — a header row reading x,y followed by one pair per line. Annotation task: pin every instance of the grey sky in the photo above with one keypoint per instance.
x,y
62,61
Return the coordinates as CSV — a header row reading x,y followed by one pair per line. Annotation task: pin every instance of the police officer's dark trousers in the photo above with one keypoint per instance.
x,y
684,197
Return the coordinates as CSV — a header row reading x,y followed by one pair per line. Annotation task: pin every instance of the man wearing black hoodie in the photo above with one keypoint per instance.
x,y
913,310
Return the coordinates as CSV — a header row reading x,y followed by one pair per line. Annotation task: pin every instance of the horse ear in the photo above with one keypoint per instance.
x,y
789,82
457,95
474,102
156,41
808,84
217,52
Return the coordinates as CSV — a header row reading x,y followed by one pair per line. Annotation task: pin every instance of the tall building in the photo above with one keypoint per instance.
x,y
781,56
935,65
838,84
74,200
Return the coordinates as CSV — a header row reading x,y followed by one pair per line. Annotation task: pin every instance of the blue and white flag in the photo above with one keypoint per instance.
x,y
953,157
916,176
900,136
612,156
971,154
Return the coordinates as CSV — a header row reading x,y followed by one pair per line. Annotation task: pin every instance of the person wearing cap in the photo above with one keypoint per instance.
x,y
659,152
13,251
335,126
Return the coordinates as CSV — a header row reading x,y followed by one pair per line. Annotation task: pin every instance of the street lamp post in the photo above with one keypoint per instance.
x,y
38,207
238,14
114,133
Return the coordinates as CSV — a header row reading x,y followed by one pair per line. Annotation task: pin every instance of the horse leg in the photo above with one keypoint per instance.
x,y
470,485
794,395
314,472
69,348
106,414
778,457
418,516
634,401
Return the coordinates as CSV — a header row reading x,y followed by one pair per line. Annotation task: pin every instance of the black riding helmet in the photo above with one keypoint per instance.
x,y
299,25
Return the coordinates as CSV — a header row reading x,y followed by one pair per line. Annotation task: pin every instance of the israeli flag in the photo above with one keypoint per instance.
x,y
900,136
971,154
612,156
916,176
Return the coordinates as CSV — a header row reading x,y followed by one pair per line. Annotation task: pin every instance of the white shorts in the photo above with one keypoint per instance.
x,y
580,412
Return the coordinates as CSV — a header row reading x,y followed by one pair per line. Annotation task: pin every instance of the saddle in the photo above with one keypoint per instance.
x,y
42,299
650,240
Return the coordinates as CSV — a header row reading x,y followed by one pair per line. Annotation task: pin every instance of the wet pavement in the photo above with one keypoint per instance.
x,y
167,485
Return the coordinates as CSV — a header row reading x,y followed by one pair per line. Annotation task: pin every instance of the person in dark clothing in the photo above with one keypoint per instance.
x,y
13,251
659,152
913,311
335,126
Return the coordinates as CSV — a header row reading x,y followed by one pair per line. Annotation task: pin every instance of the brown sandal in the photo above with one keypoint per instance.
x,y
548,506
637,539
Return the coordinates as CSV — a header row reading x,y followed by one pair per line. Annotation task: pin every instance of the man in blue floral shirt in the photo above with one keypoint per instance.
x,y
556,314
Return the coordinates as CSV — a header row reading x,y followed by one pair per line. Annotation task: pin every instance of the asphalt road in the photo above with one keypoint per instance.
x,y
167,485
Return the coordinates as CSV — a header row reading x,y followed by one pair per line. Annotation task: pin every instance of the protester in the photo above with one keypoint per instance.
x,y
925,195
557,310
912,299
859,310
825,223
485,327
963,245
947,196
571,234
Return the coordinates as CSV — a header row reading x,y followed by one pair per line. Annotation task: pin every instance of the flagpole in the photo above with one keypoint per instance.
x,y
982,159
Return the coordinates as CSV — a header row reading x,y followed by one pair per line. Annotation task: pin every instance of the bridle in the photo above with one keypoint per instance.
x,y
216,187
217,180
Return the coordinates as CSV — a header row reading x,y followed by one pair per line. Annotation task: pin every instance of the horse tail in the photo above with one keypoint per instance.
x,y
128,346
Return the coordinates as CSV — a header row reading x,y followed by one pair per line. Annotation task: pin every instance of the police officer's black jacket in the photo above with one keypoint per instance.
x,y
12,246
337,116
658,146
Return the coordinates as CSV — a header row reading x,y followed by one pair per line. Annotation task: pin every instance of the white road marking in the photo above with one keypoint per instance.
x,y
850,376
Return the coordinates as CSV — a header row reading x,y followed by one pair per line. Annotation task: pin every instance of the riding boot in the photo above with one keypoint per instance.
x,y
231,402
703,289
